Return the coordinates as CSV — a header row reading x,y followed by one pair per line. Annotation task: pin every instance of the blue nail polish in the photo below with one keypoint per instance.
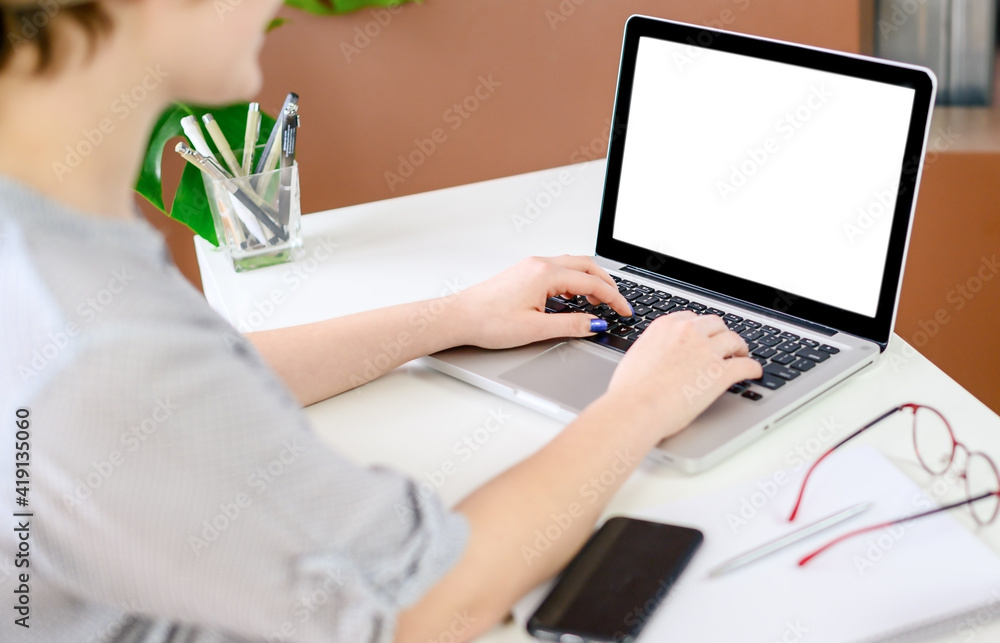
x,y
598,325
631,310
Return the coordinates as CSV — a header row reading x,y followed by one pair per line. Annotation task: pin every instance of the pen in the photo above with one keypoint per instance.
x,y
222,144
250,137
247,222
193,132
789,539
255,207
210,167
288,142
269,159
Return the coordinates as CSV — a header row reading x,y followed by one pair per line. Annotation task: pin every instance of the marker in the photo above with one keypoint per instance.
x,y
193,131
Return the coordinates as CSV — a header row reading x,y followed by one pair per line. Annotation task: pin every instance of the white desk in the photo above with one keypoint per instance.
x,y
423,245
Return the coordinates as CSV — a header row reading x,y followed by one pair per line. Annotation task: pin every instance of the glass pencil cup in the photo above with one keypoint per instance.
x,y
257,217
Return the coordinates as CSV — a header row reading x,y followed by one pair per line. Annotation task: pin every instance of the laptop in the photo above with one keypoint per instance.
x,y
769,183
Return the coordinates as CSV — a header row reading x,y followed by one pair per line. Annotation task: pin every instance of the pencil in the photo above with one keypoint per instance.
x,y
222,145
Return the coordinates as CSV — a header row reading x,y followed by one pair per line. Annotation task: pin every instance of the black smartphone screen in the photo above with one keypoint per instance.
x,y
611,588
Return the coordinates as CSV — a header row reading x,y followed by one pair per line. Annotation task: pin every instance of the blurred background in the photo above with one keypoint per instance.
x,y
374,81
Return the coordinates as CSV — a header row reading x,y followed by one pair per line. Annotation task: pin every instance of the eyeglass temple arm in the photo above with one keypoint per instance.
x,y
883,525
802,489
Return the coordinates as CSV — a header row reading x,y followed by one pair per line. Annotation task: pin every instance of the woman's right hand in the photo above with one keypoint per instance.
x,y
677,367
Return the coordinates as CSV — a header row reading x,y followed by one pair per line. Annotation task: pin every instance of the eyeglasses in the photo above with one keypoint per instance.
x,y
937,448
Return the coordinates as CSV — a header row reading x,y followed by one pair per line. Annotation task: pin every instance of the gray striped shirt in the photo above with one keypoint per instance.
x,y
176,490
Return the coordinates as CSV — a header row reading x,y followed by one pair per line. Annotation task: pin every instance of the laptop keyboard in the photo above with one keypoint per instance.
x,y
784,355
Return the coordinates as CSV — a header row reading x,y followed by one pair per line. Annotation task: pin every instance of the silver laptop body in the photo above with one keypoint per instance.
x,y
763,181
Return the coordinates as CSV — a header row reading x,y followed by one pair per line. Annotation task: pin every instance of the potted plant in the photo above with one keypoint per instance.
x,y
190,203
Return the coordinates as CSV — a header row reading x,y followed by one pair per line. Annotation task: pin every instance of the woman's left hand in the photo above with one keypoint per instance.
x,y
509,309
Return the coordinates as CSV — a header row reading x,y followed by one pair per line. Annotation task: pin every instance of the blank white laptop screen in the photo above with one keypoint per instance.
x,y
782,175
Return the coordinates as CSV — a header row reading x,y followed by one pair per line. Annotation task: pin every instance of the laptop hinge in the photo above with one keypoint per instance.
x,y
819,328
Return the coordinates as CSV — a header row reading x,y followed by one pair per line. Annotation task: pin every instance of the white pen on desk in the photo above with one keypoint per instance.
x,y
222,144
789,539
250,137
193,132
211,167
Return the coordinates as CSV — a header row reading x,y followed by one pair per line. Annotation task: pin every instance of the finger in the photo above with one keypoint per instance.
x,y
617,302
663,325
624,311
743,368
729,344
589,266
711,325
583,264
675,316
580,283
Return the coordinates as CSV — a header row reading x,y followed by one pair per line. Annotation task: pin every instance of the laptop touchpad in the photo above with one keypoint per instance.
x,y
567,374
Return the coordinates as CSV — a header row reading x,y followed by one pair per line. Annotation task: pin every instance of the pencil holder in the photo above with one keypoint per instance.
x,y
257,217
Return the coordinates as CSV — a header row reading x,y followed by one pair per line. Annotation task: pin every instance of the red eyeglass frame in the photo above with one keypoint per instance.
x,y
955,445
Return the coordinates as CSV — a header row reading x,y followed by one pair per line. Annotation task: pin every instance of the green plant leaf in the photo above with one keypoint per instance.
x,y
167,127
191,206
333,7
190,203
274,24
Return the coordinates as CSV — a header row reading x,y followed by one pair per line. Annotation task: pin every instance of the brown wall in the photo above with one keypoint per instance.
x,y
950,304
555,61
366,98
556,83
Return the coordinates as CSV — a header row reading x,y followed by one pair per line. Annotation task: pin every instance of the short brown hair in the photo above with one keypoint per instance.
x,y
30,23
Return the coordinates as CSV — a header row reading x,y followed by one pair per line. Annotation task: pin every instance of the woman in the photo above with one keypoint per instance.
x,y
152,424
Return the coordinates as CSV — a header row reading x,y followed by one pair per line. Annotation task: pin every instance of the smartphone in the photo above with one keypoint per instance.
x,y
610,589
